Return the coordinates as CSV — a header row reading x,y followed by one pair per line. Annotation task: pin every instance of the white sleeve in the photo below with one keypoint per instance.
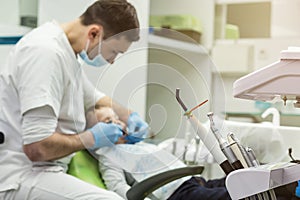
x,y
38,124
113,176
39,78
91,93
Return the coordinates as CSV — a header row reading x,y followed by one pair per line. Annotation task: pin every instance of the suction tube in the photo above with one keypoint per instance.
x,y
208,139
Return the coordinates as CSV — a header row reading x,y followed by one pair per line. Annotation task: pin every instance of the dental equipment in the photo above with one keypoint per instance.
x,y
208,140
197,139
252,157
239,150
188,113
235,155
246,157
293,159
1,138
280,79
137,131
225,147
275,114
186,142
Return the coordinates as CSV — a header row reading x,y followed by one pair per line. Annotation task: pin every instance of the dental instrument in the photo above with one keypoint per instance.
x,y
233,157
239,150
138,131
276,81
188,113
225,147
252,157
197,139
244,156
174,143
1,138
208,140
270,193
186,142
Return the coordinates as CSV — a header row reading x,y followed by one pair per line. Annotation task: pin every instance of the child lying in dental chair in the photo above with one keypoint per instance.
x,y
143,160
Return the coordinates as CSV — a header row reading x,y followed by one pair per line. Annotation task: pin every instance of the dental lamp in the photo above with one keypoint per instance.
x,y
278,80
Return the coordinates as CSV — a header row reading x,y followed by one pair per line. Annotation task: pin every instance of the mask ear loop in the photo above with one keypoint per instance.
x,y
100,44
87,45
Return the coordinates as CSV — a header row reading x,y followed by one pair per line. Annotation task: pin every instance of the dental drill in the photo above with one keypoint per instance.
x,y
208,140
224,145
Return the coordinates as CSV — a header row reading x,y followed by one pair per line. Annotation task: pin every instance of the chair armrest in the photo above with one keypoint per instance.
x,y
142,189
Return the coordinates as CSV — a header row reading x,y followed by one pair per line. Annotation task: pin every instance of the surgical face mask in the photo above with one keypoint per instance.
x,y
94,58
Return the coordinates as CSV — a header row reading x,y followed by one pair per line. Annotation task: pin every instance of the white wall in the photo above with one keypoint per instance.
x,y
9,12
285,18
28,7
61,10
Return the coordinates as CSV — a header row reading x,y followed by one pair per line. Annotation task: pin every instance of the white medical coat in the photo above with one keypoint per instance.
x,y
42,69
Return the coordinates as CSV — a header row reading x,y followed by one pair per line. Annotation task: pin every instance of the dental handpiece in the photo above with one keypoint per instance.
x,y
197,149
239,150
270,193
242,155
224,145
252,157
247,157
208,140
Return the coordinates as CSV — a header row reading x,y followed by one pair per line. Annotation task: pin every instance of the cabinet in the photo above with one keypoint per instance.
x,y
176,64
253,18
265,26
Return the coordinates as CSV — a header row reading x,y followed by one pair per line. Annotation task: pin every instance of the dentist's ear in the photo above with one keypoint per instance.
x,y
95,32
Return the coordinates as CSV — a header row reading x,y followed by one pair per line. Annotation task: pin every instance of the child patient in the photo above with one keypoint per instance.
x,y
106,115
143,160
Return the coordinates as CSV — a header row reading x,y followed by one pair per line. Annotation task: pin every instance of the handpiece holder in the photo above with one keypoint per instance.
x,y
250,181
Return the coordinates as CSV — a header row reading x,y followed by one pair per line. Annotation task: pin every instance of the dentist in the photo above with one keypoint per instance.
x,y
44,97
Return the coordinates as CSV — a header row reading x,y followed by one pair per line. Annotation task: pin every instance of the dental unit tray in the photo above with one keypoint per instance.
x,y
250,181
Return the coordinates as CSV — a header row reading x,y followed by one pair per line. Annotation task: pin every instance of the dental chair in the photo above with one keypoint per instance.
x,y
85,167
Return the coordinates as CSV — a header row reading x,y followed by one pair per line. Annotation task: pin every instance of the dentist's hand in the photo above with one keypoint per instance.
x,y
137,129
105,134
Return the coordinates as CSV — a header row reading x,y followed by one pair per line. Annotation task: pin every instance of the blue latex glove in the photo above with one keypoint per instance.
x,y
297,192
137,129
105,134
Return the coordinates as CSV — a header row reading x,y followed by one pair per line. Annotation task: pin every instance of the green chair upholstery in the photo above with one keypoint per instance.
x,y
85,167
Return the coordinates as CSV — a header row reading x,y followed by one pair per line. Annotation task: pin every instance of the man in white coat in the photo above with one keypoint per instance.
x,y
44,96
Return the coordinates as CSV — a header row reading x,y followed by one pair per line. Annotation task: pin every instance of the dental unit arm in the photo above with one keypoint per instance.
x,y
278,80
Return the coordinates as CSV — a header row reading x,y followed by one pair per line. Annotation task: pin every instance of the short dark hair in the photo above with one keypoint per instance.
x,y
116,16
